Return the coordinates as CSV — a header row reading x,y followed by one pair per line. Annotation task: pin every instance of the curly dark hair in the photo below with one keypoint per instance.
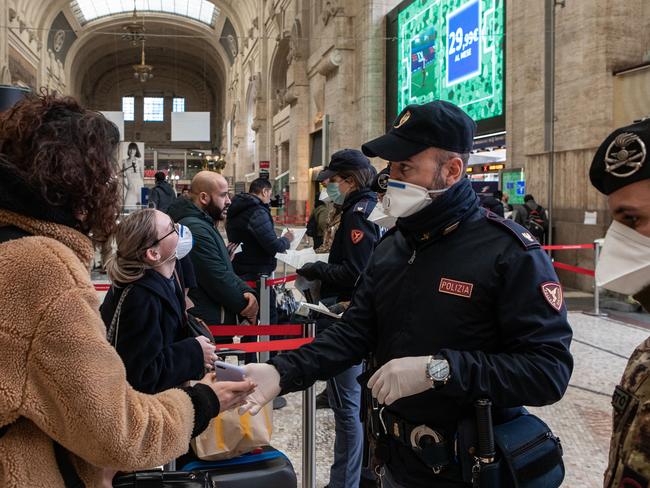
x,y
58,163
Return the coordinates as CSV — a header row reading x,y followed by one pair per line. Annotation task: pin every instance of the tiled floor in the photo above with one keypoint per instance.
x,y
581,419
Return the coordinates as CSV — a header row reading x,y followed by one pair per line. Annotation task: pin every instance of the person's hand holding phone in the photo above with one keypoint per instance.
x,y
209,354
231,394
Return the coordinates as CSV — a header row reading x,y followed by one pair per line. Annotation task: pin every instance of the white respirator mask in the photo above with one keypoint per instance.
x,y
624,260
185,241
404,199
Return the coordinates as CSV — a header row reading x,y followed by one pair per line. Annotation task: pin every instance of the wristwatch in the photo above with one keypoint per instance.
x,y
438,371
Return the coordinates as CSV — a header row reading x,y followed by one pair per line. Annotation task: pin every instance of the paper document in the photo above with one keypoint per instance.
x,y
320,308
298,234
297,259
379,217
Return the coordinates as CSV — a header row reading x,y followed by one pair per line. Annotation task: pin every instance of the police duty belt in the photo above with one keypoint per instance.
x,y
428,444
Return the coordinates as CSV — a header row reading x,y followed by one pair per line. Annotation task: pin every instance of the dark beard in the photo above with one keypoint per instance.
x,y
215,212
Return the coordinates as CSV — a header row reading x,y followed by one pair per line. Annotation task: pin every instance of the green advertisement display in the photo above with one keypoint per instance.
x,y
514,184
452,50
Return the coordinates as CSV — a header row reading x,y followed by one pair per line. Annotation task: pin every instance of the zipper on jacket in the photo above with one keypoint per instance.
x,y
410,261
531,444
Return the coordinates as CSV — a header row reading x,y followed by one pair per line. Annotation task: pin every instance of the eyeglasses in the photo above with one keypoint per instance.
x,y
175,228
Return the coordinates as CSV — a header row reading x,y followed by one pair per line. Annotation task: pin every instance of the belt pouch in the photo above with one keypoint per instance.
x,y
530,455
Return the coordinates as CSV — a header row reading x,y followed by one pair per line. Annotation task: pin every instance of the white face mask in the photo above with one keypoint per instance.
x,y
324,197
624,262
185,242
404,199
379,217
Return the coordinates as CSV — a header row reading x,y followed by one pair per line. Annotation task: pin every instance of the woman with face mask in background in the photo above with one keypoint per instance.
x,y
151,334
621,170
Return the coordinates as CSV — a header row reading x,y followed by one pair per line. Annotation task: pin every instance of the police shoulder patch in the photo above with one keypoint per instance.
x,y
513,228
356,235
553,294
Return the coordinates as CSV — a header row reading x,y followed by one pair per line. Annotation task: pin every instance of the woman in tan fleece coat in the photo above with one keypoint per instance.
x,y
63,388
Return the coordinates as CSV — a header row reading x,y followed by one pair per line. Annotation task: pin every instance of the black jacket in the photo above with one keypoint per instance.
x,y
219,296
250,223
504,330
353,244
162,195
493,205
151,338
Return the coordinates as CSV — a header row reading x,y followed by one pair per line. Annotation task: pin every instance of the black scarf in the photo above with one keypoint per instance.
x,y
455,205
16,196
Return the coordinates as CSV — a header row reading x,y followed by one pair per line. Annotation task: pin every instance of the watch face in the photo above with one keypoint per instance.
x,y
439,369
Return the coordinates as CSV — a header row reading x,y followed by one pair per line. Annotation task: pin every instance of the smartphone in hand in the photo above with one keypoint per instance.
x,y
228,372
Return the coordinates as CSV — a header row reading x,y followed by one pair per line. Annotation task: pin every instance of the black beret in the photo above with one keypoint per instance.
x,y
344,160
380,181
622,158
435,124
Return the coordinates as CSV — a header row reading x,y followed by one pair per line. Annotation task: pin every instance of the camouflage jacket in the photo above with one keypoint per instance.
x,y
629,451
333,222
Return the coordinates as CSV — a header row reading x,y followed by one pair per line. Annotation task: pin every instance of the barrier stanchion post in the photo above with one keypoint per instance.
x,y
309,427
596,311
265,312
596,291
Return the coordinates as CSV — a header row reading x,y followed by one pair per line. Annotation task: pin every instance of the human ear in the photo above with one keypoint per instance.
x,y
152,255
454,169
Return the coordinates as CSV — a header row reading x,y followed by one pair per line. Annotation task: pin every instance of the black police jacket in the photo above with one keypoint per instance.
x,y
250,223
458,281
353,243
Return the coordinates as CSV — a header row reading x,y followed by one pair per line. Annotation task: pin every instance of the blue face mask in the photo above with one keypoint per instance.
x,y
334,192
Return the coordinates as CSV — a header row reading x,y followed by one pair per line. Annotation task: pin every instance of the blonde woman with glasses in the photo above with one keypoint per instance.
x,y
144,311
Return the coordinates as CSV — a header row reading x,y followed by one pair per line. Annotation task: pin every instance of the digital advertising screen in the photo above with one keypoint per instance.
x,y
449,50
513,183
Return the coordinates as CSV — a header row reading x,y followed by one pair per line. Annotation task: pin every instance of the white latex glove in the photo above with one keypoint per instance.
x,y
399,378
267,379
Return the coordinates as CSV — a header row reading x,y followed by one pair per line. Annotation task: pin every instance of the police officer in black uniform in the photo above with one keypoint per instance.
x,y
348,178
456,304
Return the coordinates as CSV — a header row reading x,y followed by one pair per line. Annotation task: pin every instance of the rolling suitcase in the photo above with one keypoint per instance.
x,y
264,467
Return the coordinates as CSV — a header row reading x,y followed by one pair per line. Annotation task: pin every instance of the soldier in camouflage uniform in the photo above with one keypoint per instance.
x,y
621,170
333,222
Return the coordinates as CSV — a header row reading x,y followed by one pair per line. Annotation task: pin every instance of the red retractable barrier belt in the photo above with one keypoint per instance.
x,y
256,330
279,345
102,286
575,269
279,281
567,247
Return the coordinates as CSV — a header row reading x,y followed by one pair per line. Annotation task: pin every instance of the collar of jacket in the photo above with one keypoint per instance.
x,y
80,244
182,208
443,216
357,195
16,196
155,282
246,201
